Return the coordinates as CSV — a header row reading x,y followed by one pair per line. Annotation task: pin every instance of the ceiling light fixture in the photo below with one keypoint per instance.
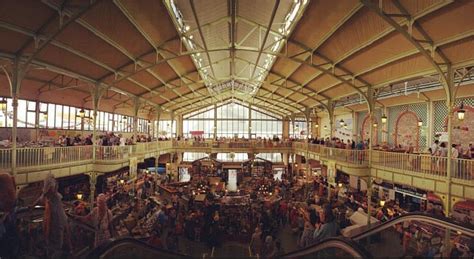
x,y
461,112
82,113
3,105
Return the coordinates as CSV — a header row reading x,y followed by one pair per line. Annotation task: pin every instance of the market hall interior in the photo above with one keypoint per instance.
x,y
238,128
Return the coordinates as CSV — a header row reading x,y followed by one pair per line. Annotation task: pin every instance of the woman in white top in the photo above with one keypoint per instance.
x,y
442,152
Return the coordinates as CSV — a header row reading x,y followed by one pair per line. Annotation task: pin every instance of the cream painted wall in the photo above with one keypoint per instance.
x,y
338,131
341,132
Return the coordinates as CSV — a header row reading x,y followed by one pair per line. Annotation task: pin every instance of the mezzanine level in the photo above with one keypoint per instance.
x,y
422,171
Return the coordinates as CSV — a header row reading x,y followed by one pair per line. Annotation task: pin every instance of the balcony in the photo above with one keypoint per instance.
x,y
413,169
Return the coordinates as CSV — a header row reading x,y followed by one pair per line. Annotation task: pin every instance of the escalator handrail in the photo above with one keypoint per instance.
x,y
423,217
102,249
348,245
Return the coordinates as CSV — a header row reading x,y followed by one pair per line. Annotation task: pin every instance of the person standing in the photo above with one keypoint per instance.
x,y
329,228
9,238
122,140
456,162
307,236
435,148
55,223
269,249
256,242
101,216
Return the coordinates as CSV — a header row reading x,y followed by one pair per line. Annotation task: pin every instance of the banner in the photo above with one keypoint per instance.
x,y
232,180
133,167
332,172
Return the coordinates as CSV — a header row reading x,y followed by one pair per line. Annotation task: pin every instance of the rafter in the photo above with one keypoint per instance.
x,y
282,98
117,46
63,25
408,35
328,35
389,30
233,34
151,42
265,37
63,71
196,20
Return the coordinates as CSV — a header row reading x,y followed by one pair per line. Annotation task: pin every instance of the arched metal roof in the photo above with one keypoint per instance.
x,y
141,48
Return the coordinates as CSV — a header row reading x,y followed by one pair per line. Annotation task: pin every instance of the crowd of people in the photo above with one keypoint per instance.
x,y
457,151
310,212
104,139
339,143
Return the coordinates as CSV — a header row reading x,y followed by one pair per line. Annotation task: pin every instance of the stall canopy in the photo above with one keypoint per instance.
x,y
465,205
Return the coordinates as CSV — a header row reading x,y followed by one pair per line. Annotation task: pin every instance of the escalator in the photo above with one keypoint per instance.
x,y
133,248
439,222
418,234
383,240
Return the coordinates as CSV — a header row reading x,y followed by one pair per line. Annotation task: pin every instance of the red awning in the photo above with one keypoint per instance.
x,y
196,132
433,198
464,205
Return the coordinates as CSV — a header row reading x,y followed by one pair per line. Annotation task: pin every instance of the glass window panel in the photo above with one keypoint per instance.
x,y
21,113
31,120
59,116
31,106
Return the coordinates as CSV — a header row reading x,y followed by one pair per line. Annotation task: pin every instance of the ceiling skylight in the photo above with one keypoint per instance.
x,y
223,79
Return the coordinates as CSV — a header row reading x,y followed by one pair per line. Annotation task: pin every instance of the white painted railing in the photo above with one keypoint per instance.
x,y
463,169
108,153
41,156
230,144
5,158
420,163
359,157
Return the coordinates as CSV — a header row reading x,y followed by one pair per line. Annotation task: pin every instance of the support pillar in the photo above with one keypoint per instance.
x,y
286,128
179,126
285,158
293,166
136,108
450,98
215,122
15,85
371,105
92,184
449,168
430,123
354,126
250,122
332,128
37,119
96,94
293,118
315,129
307,114
158,114
385,126
171,124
